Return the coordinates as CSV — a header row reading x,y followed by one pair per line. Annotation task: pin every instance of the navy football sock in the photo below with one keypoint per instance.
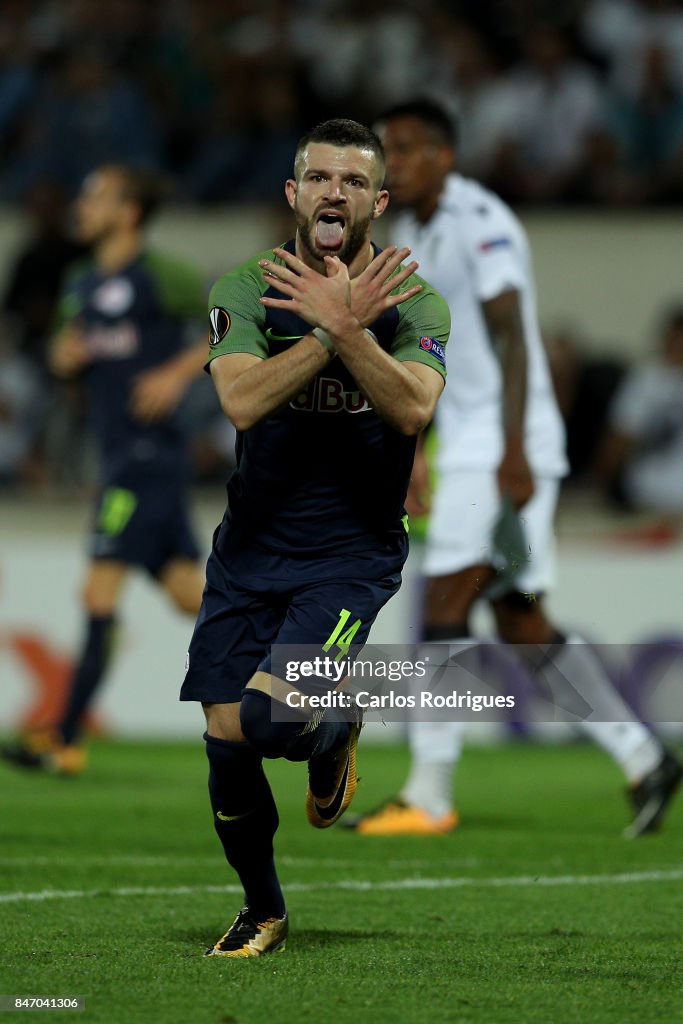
x,y
245,818
93,662
293,739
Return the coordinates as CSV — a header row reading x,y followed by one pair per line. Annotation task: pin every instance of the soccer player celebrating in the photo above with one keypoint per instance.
x,y
124,316
500,449
329,371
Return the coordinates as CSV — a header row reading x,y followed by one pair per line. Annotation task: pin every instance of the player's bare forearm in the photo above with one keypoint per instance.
x,y
250,388
157,391
190,362
504,319
403,395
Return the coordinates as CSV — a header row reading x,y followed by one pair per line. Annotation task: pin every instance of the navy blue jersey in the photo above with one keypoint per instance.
x,y
325,473
132,320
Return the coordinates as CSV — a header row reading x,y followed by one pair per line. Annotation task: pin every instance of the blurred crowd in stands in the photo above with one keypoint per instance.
x,y
624,423
558,101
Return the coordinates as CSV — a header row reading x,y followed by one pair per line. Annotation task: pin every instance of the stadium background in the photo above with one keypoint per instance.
x,y
535,909
213,95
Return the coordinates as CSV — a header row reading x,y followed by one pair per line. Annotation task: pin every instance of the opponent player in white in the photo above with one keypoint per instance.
x,y
500,449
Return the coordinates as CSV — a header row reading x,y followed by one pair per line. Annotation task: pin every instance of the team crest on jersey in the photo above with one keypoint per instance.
x,y
435,348
219,319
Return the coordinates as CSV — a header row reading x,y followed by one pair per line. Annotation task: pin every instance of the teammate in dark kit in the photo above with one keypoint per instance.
x,y
329,372
124,319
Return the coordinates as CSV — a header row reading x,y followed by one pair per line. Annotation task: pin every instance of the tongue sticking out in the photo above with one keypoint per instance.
x,y
329,234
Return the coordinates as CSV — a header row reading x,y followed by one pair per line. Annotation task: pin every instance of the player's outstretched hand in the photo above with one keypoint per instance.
x,y
317,298
371,291
69,353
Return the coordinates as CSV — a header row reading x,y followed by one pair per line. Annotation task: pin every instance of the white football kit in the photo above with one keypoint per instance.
x,y
473,249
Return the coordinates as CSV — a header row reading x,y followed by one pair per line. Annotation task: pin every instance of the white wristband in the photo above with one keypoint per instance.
x,y
325,340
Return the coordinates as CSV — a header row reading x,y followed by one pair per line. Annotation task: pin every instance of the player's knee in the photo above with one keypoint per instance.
x,y
188,601
96,601
184,585
223,722
267,736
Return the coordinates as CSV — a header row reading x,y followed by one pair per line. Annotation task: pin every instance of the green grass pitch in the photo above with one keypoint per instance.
x,y
534,911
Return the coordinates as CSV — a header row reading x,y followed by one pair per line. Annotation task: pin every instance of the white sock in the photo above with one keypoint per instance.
x,y
636,751
578,678
435,748
430,786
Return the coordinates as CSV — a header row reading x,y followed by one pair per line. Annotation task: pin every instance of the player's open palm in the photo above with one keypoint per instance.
x,y
316,298
371,291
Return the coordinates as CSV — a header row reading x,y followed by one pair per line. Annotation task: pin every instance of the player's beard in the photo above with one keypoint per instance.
x,y
355,237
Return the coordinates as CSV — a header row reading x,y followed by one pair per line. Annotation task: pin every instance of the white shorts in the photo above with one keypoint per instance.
x,y
467,522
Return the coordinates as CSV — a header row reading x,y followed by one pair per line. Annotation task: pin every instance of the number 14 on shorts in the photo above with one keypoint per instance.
x,y
342,636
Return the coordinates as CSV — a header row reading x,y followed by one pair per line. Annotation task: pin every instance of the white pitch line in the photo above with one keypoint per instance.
x,y
356,885
133,860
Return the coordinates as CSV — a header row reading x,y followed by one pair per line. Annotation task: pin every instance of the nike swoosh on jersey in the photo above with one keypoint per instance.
x,y
282,337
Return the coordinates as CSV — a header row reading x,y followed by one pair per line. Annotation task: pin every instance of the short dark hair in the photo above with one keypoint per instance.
x,y
441,126
141,186
341,131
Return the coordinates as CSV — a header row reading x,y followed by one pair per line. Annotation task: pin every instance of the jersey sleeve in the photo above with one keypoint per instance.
x,y
236,317
69,303
423,328
493,241
181,287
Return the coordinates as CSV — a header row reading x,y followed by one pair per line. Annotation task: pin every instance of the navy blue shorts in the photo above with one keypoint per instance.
x,y
144,523
325,603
